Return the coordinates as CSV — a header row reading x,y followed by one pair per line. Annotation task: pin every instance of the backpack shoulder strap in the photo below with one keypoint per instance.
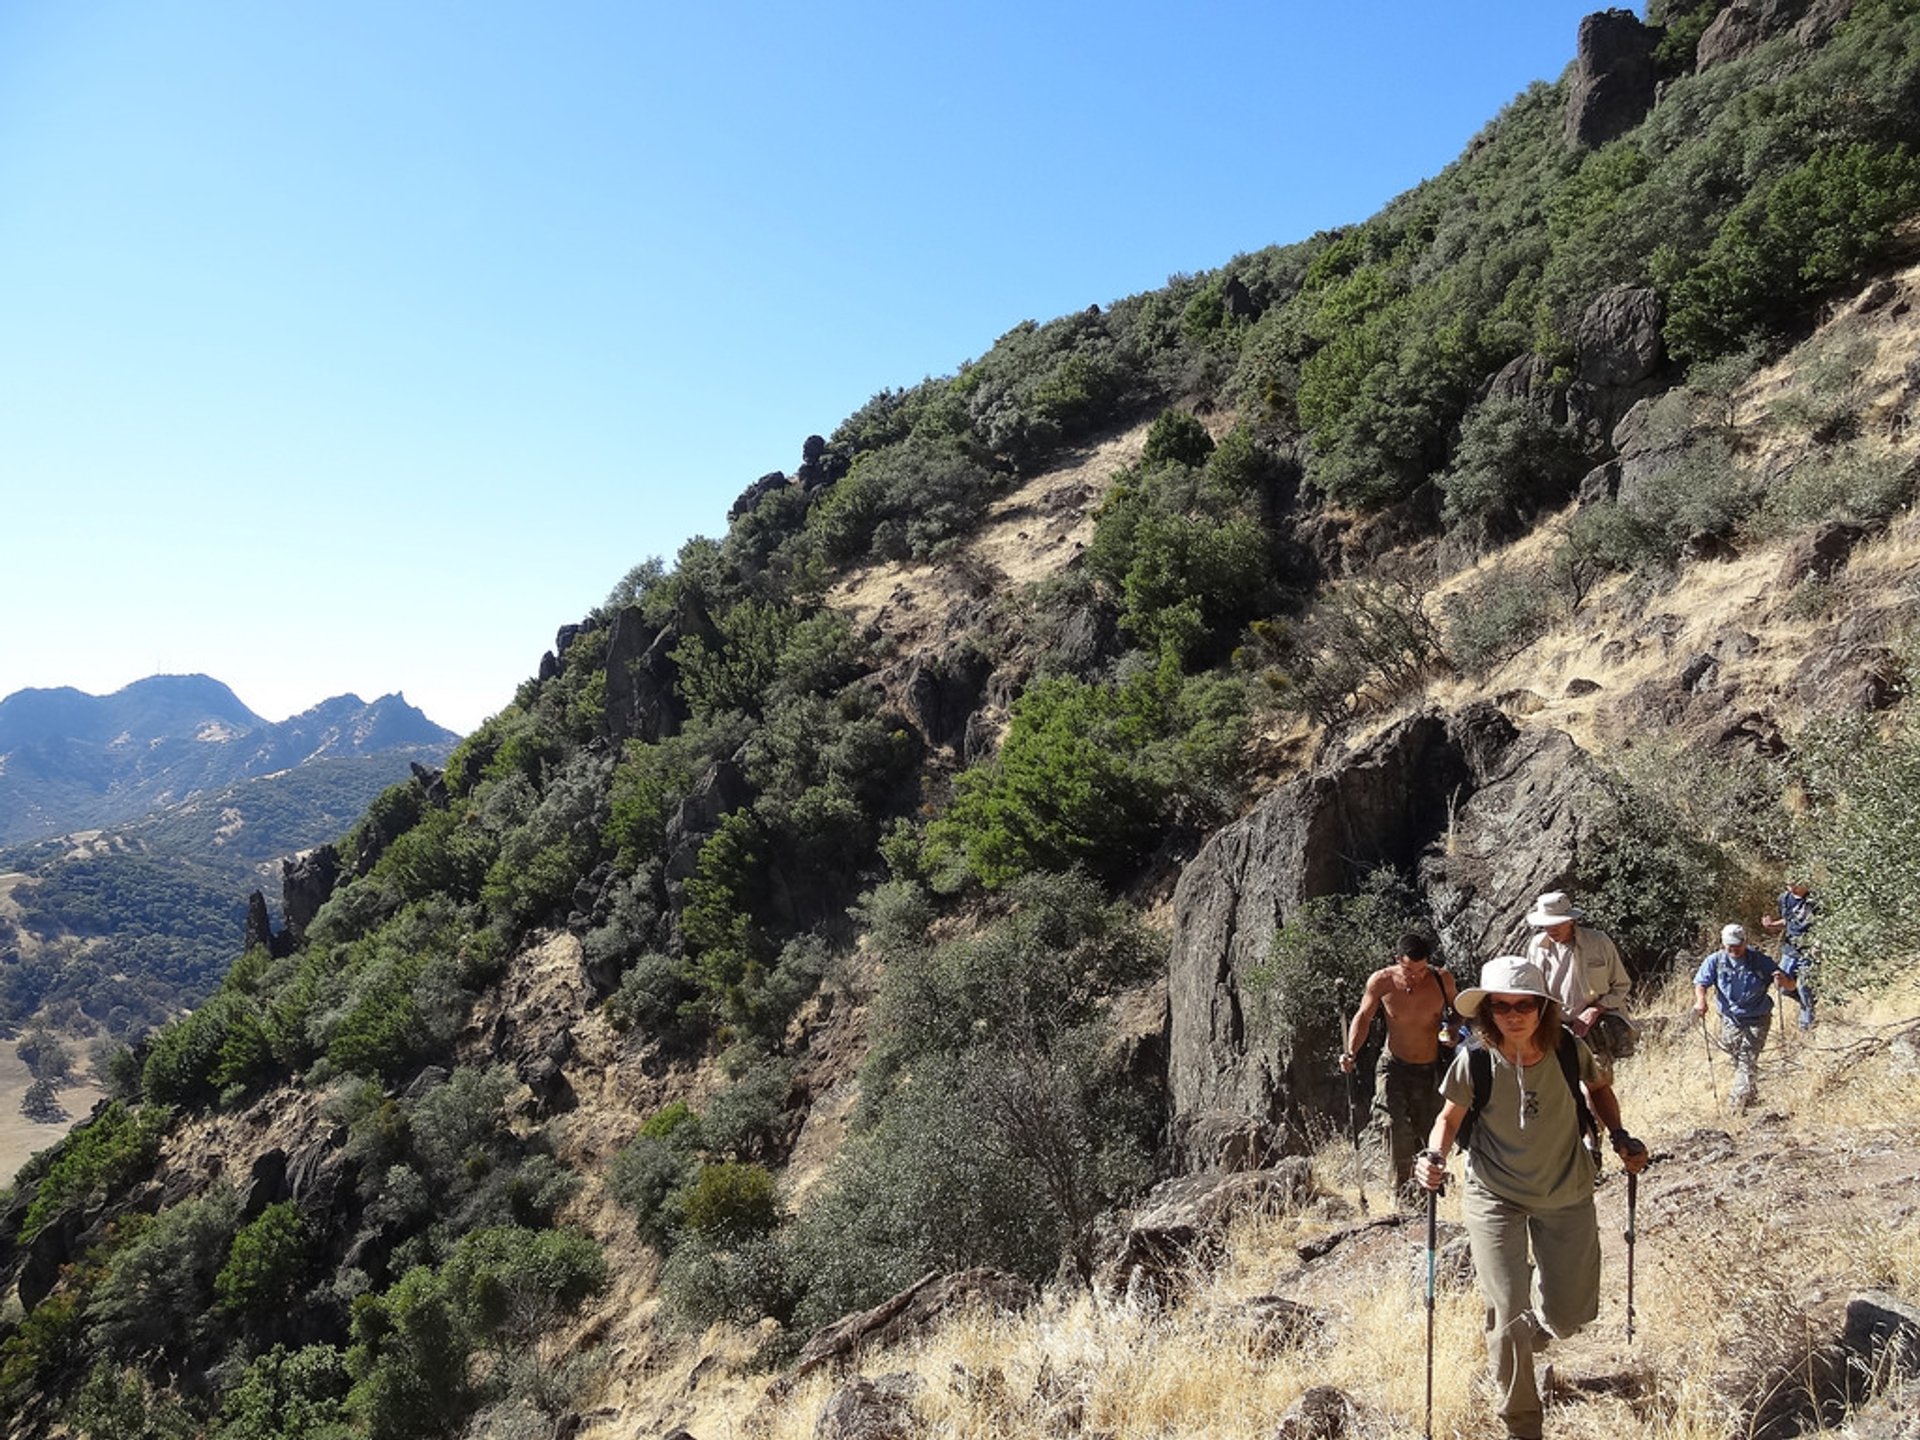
x,y
1480,1071
1569,1053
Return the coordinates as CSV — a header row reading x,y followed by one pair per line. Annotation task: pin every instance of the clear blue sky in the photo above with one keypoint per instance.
x,y
357,346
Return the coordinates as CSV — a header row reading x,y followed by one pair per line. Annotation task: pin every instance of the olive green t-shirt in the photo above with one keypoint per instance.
x,y
1526,1145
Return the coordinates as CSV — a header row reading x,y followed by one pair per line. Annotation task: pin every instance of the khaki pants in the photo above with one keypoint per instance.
x,y
1554,1295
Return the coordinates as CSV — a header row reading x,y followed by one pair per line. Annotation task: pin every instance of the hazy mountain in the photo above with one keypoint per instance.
x,y
72,761
136,823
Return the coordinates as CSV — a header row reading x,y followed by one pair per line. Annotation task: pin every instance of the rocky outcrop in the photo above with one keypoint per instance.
x,y
1847,679
1179,1231
749,499
1613,78
717,794
1817,556
1323,1412
941,692
1619,356
1437,797
865,1409
642,702
1817,1383
1617,341
259,932
819,465
1743,27
306,883
1529,378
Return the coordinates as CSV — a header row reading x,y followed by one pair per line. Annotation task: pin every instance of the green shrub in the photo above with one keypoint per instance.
x,y
726,946
744,1120
652,996
509,1284
1178,436
288,1395
1511,462
1859,842
43,1345
1364,642
1085,776
1318,962
1644,873
1787,244
647,1176
114,1404
408,1361
1494,619
190,1062
159,1286
998,1121
267,1266
103,1155
727,1203
1601,539
1837,485
738,1283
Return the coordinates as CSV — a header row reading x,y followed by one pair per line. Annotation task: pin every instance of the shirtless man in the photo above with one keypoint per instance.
x,y
1417,999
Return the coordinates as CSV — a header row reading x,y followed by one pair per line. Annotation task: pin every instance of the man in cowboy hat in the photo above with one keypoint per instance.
x,y
1585,973
1742,980
1528,1199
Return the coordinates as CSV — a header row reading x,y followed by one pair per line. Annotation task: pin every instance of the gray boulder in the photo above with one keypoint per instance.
x,y
864,1409
1617,341
1179,1231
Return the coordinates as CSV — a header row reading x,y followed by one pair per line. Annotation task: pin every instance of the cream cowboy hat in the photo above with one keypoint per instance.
x,y
1556,907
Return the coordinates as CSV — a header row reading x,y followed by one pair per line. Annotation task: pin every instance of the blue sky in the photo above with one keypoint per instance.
x,y
358,346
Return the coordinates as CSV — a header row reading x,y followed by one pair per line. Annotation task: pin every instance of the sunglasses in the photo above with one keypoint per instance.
x,y
1513,1007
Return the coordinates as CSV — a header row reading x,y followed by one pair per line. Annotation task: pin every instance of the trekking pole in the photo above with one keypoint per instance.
x,y
1707,1039
1353,1124
1433,1246
1633,1200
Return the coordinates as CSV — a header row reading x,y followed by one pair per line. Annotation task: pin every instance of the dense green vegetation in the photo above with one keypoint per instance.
x,y
750,812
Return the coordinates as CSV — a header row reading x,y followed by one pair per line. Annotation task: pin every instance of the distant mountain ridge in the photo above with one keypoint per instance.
x,y
73,761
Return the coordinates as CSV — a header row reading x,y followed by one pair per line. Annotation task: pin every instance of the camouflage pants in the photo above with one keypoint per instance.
x,y
1743,1040
1405,1107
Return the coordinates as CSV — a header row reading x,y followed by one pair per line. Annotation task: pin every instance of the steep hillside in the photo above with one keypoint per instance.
x,y
964,866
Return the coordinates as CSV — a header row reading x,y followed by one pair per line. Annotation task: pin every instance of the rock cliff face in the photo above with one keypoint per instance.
x,y
1613,79
1437,796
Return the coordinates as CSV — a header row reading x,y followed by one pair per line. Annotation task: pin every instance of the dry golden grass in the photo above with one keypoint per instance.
x,y
1751,1228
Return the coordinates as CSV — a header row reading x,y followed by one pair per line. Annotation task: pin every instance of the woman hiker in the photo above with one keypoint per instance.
x,y
1517,1113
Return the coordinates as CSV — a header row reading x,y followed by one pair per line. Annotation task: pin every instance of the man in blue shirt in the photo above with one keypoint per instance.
x,y
1742,980
1797,909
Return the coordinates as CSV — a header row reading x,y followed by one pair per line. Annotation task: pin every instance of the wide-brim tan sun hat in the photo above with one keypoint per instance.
x,y
1505,975
1556,907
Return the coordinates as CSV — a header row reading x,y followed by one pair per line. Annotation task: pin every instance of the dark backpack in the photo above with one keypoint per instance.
x,y
1480,1068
